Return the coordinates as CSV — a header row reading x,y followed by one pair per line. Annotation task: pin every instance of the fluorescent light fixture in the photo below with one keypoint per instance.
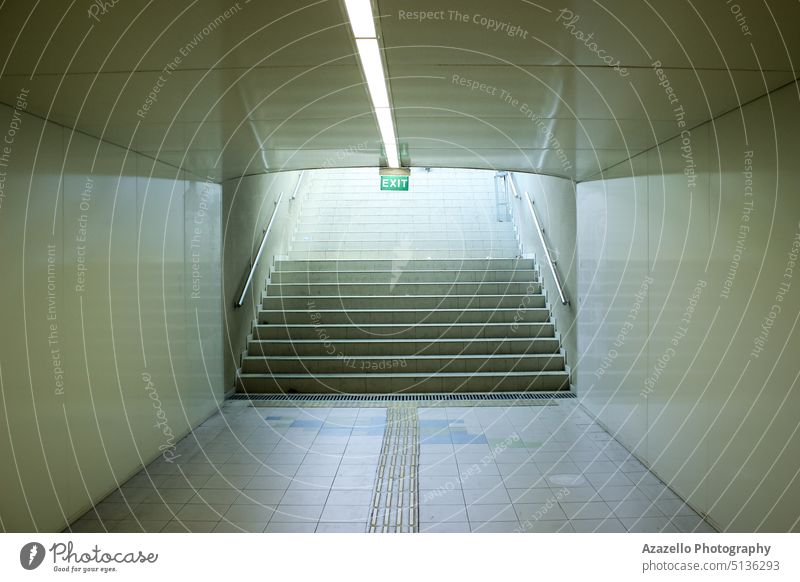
x,y
360,14
370,55
391,156
386,125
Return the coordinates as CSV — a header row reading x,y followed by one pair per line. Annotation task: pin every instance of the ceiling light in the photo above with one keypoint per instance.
x,y
361,21
386,125
370,55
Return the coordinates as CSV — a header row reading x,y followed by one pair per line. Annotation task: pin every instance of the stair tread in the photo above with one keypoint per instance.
x,y
414,283
447,296
389,260
415,374
405,310
401,260
407,357
426,340
403,325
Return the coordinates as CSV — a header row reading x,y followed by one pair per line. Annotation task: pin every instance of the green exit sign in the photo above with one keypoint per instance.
x,y
396,183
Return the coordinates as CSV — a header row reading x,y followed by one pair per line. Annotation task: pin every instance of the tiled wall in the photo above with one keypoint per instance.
x,y
111,310
683,252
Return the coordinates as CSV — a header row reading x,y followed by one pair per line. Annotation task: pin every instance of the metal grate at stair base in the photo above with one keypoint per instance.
x,y
433,397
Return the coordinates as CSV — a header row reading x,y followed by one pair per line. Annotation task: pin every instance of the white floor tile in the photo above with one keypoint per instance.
x,y
495,527
289,527
345,513
491,512
442,513
441,497
649,525
635,509
240,527
546,526
531,495
611,525
249,512
176,526
548,511
297,513
350,497
304,497
347,527
483,497
588,510
202,512
270,497
252,477
447,527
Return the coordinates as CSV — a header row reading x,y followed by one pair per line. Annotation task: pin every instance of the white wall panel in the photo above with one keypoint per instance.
x,y
721,414
118,226
612,289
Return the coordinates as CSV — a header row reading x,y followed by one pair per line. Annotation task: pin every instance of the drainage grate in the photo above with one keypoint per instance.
x,y
405,397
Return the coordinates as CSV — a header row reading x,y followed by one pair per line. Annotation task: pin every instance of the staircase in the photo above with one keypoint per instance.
x,y
419,291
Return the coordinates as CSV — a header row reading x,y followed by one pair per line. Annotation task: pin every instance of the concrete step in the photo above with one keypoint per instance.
x,y
466,212
486,219
508,236
409,255
404,231
322,302
404,316
370,187
362,207
429,195
431,331
506,246
400,275
420,364
403,347
320,192
360,383
370,289
453,201
411,265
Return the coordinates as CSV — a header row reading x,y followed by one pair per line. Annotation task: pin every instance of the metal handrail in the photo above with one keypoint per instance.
x,y
540,232
297,186
254,265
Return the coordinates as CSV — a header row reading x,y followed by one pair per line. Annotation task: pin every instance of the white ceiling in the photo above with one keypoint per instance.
x,y
276,85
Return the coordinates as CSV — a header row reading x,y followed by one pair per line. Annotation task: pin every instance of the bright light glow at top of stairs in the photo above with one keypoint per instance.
x,y
369,53
360,14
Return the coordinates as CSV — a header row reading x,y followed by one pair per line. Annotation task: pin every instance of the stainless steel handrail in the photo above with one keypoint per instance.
x,y
297,186
540,231
254,265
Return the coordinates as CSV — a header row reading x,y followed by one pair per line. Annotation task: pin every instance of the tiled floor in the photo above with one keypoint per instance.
x,y
481,469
